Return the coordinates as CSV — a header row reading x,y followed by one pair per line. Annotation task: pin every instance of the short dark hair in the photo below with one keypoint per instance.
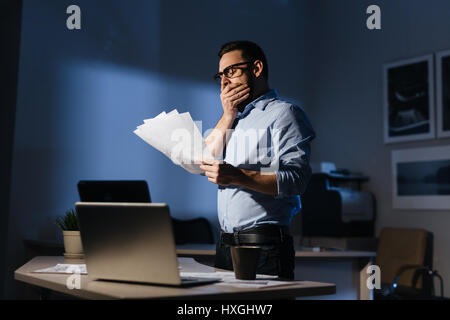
x,y
250,51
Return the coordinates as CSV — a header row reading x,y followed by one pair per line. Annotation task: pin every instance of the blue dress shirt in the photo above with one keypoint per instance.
x,y
273,136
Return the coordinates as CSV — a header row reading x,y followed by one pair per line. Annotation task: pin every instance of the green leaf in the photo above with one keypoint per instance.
x,y
69,222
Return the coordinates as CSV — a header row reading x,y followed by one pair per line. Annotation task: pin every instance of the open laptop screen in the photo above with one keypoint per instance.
x,y
113,191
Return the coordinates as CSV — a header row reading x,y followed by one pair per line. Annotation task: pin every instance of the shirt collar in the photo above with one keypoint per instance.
x,y
260,103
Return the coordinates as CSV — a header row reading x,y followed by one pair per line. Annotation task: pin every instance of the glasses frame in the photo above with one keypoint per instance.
x,y
218,76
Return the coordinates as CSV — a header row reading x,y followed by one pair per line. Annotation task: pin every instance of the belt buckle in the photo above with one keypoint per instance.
x,y
236,238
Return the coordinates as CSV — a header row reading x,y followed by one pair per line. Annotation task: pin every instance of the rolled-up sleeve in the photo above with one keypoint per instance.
x,y
294,136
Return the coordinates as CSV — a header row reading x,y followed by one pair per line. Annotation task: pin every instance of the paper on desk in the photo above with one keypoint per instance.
x,y
65,268
176,136
229,279
257,284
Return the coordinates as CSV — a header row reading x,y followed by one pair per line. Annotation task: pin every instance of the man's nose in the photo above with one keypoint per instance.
x,y
224,82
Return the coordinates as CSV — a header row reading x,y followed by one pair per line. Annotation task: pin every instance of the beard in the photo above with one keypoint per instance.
x,y
251,84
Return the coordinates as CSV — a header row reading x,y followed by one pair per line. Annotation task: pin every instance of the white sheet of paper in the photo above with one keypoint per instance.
x,y
229,279
159,131
257,283
177,137
152,138
161,115
155,138
64,268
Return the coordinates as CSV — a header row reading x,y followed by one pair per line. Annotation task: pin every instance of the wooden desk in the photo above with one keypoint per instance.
x,y
94,289
347,269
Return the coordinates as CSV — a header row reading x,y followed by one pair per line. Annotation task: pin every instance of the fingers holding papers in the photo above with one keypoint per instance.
x,y
220,172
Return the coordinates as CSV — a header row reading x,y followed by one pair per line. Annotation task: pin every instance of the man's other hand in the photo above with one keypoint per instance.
x,y
220,172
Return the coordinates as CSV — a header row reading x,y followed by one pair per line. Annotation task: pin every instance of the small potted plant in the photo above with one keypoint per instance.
x,y
71,234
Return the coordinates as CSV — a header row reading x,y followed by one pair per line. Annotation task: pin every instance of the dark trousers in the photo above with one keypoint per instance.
x,y
277,259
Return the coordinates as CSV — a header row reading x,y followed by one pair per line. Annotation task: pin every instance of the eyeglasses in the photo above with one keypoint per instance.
x,y
231,71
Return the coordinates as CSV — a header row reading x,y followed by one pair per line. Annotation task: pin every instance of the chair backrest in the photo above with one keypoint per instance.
x,y
196,230
399,247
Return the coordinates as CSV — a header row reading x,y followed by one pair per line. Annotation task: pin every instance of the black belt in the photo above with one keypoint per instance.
x,y
268,234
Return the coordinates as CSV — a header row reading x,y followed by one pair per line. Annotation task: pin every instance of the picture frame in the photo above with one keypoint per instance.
x,y
408,100
421,178
443,93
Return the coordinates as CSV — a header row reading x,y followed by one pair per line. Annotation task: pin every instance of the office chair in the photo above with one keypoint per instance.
x,y
196,230
405,258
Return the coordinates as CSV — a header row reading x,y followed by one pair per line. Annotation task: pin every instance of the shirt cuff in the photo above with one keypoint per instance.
x,y
288,183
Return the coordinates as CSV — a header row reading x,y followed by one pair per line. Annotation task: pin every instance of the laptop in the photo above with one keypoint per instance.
x,y
131,242
113,191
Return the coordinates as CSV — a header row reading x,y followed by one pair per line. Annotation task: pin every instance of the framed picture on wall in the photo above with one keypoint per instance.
x,y
421,178
409,100
443,93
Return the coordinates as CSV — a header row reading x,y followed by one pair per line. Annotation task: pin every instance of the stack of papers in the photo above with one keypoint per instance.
x,y
177,137
64,268
229,279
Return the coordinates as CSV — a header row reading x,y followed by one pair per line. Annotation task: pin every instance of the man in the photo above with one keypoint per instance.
x,y
257,198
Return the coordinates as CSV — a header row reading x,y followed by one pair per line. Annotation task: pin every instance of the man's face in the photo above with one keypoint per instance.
x,y
245,77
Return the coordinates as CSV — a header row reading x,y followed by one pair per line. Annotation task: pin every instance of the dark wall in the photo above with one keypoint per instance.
x,y
10,23
81,94
347,108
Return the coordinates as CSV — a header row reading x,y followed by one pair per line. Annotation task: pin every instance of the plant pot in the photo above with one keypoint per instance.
x,y
72,244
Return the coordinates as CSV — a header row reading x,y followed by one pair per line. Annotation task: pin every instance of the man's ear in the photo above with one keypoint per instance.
x,y
257,68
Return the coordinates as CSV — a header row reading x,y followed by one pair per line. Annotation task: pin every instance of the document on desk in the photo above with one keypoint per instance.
x,y
229,279
177,137
226,278
64,268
